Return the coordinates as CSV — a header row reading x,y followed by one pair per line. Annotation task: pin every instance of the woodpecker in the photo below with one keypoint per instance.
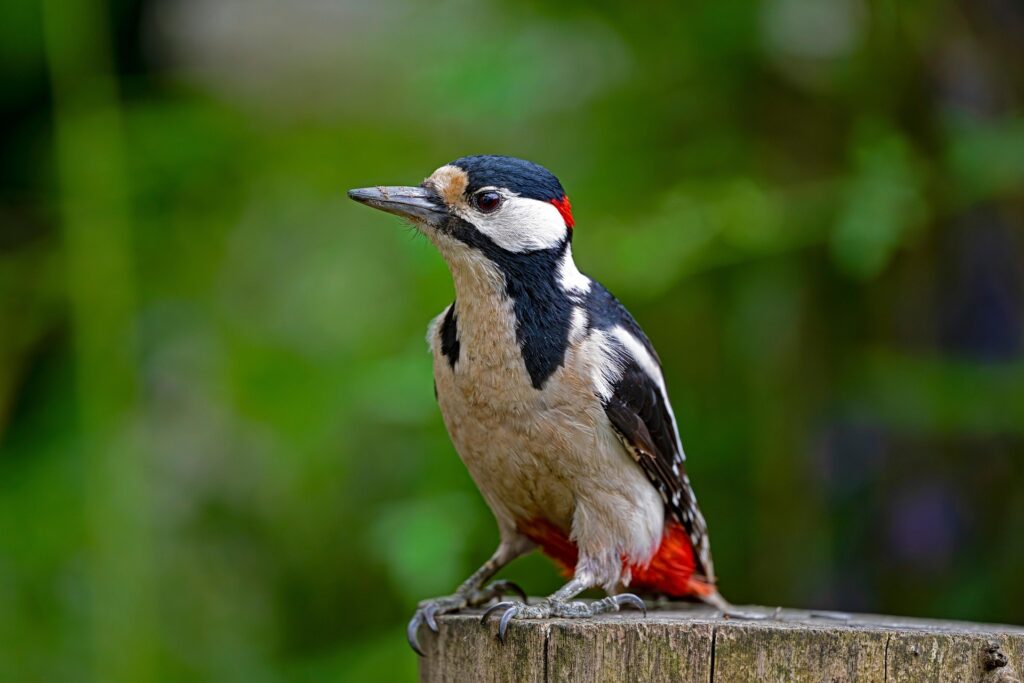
x,y
554,399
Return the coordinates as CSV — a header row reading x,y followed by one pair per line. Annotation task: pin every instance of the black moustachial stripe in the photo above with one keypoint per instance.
x,y
450,336
542,308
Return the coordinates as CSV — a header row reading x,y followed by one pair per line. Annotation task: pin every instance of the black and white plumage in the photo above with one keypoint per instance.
x,y
640,411
554,397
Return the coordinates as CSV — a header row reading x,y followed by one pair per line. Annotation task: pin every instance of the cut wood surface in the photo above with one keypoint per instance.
x,y
692,643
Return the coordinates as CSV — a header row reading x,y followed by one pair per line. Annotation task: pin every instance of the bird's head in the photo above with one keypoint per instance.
x,y
483,202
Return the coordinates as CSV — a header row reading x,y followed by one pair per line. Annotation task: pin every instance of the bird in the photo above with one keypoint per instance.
x,y
554,399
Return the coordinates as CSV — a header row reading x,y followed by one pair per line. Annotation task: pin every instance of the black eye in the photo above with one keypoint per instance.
x,y
487,201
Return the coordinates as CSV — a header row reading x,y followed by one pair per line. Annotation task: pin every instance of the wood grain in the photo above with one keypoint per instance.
x,y
692,643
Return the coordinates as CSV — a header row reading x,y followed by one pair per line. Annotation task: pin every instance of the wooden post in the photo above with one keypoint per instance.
x,y
682,643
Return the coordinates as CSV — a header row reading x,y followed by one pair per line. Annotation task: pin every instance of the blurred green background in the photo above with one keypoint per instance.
x,y
220,455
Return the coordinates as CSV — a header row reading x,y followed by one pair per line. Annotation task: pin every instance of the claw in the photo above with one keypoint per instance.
x,y
428,615
510,611
494,608
505,618
410,633
631,600
503,587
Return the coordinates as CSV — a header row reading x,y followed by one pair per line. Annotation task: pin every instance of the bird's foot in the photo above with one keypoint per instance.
x,y
496,589
574,609
428,610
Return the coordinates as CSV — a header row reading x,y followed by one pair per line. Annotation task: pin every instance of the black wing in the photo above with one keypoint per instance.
x,y
642,417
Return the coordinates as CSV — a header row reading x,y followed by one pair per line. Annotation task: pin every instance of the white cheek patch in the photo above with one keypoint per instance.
x,y
522,225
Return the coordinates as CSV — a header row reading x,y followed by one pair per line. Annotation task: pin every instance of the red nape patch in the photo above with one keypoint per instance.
x,y
670,571
565,208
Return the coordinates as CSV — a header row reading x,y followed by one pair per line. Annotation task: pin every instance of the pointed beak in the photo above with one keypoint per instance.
x,y
412,203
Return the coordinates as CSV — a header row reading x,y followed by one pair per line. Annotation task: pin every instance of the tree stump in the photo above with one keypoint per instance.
x,y
692,643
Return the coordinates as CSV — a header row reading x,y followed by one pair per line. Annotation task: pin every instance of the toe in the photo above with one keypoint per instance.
x,y
495,608
624,599
505,618
508,610
428,616
503,587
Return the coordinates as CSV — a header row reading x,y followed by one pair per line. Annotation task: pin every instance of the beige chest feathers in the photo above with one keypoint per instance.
x,y
546,453
527,449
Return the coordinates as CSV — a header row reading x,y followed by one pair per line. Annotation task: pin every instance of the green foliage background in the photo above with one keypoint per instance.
x,y
220,456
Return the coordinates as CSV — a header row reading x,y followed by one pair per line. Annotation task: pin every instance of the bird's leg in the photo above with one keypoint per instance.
x,y
561,604
472,592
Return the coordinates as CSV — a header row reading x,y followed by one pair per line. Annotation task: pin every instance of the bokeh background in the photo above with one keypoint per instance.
x,y
220,455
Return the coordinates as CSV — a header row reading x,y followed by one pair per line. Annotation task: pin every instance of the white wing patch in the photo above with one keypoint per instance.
x,y
578,325
650,366
606,368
